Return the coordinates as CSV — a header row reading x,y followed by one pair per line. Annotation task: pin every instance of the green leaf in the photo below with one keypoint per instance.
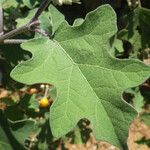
x,y
137,31
53,93
7,140
50,20
77,138
138,101
137,98
33,103
23,130
30,3
4,142
7,3
56,18
116,46
44,18
145,117
78,22
26,18
89,81
29,102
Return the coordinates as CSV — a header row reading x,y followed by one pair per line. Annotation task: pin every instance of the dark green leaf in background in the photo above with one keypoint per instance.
x,y
137,31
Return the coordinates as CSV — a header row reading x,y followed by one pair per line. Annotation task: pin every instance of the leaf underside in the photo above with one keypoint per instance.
x,y
89,81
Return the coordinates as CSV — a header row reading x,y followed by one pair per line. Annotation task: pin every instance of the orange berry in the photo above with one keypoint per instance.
x,y
44,102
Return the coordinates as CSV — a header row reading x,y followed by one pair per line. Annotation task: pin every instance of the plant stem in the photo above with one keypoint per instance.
x,y
46,90
13,41
32,23
40,31
42,7
18,121
139,3
1,20
15,32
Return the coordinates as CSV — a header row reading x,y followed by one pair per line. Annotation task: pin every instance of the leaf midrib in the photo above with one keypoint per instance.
x,y
92,90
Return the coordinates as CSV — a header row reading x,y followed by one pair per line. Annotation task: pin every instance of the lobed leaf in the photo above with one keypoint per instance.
x,y
89,81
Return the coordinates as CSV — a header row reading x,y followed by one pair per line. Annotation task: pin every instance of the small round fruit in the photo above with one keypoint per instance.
x,y
44,102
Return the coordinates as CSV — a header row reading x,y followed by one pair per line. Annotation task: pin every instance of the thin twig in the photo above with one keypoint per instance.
x,y
139,3
18,121
1,20
42,7
40,31
32,23
15,32
46,90
13,41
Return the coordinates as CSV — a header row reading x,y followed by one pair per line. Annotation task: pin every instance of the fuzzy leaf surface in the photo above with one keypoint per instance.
x,y
89,81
